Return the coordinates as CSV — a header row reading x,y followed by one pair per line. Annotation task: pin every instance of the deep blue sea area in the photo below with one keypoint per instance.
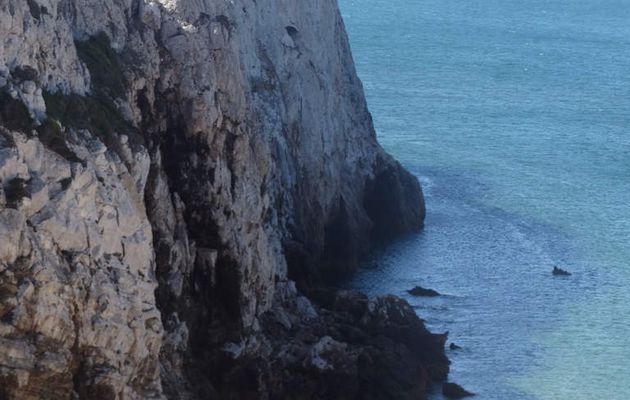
x,y
515,116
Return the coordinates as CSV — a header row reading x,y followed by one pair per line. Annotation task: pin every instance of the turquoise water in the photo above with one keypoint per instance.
x,y
515,115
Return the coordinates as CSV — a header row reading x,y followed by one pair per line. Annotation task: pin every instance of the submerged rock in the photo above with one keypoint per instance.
x,y
560,272
420,291
454,391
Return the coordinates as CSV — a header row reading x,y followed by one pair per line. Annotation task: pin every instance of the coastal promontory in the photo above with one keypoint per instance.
x,y
181,183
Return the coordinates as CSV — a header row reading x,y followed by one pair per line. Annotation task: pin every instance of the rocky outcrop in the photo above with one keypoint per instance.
x,y
77,309
420,291
559,272
454,391
168,169
345,346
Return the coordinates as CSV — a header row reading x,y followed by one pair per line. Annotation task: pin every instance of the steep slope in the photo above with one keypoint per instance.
x,y
210,151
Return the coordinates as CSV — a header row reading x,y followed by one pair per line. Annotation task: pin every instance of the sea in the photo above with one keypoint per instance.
x,y
515,117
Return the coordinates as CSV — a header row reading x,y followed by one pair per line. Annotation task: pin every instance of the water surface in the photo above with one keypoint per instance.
x,y
515,115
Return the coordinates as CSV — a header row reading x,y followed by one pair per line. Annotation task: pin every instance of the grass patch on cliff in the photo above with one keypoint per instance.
x,y
13,113
15,116
51,136
104,64
15,190
96,112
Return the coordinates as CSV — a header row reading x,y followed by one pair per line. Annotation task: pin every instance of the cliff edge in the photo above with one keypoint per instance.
x,y
175,176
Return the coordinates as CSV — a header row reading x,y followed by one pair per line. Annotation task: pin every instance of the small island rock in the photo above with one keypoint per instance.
x,y
420,291
560,272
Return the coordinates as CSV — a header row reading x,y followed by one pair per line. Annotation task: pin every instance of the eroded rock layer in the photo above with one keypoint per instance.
x,y
169,169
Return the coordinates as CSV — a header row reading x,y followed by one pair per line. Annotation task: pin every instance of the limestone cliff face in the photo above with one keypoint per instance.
x,y
168,168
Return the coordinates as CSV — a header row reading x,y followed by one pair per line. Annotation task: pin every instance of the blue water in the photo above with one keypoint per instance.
x,y
515,116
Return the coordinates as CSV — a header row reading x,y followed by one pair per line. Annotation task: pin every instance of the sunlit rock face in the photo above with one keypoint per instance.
x,y
168,168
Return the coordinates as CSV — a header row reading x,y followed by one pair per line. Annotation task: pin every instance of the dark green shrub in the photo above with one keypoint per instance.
x,y
13,113
51,136
15,190
35,9
104,65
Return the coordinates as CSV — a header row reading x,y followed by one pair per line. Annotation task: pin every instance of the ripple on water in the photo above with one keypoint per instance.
x,y
494,271
514,114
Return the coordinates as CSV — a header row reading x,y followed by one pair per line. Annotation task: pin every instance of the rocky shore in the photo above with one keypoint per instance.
x,y
179,181
343,347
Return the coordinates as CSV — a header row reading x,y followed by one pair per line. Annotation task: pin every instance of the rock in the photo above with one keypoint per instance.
x,y
454,391
453,346
28,87
150,14
559,272
420,291
175,176
324,352
76,281
354,348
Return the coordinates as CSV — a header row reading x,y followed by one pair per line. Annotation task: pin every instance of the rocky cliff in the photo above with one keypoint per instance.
x,y
170,170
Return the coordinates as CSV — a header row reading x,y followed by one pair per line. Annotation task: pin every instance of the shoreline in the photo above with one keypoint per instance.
x,y
346,346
